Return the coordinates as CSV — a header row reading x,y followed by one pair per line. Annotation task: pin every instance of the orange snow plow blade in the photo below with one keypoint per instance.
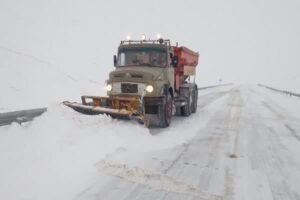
x,y
116,107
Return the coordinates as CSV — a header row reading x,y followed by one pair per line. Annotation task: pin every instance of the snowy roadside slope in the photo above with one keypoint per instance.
x,y
27,82
54,156
289,103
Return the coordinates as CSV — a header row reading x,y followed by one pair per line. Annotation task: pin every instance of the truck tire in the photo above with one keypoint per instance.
x,y
194,104
178,111
166,112
186,109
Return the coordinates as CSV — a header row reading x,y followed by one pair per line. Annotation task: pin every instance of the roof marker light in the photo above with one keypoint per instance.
x,y
143,37
158,36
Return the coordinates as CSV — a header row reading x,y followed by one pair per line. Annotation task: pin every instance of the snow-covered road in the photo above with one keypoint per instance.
x,y
243,143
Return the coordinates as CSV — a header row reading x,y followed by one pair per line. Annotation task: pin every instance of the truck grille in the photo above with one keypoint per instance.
x,y
129,88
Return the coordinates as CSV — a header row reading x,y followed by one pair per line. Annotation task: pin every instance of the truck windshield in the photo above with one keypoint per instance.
x,y
137,57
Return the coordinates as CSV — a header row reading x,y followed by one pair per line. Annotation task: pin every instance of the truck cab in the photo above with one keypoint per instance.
x,y
143,68
150,83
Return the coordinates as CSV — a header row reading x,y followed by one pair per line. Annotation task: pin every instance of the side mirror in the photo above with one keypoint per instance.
x,y
174,61
115,60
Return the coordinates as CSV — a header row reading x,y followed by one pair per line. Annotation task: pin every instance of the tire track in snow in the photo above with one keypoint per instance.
x,y
220,129
237,104
150,179
269,155
279,157
283,118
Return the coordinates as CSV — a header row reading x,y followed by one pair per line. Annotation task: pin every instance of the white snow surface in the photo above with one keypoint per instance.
x,y
243,143
28,82
53,157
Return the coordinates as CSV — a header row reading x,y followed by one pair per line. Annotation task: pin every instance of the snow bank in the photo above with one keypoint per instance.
x,y
54,156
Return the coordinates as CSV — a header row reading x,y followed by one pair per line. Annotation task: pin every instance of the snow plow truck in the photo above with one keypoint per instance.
x,y
151,82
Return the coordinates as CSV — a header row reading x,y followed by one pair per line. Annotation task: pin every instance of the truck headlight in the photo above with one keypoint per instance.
x,y
149,88
108,87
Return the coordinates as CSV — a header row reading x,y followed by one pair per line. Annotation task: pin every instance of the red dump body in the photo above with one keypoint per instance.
x,y
187,62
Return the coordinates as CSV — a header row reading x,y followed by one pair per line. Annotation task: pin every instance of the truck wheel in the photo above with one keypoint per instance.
x,y
186,110
166,111
178,111
194,99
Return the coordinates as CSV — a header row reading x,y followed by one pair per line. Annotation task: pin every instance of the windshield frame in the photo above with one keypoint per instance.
x,y
128,56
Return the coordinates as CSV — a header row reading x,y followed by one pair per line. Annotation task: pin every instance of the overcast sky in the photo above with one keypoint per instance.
x,y
239,41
